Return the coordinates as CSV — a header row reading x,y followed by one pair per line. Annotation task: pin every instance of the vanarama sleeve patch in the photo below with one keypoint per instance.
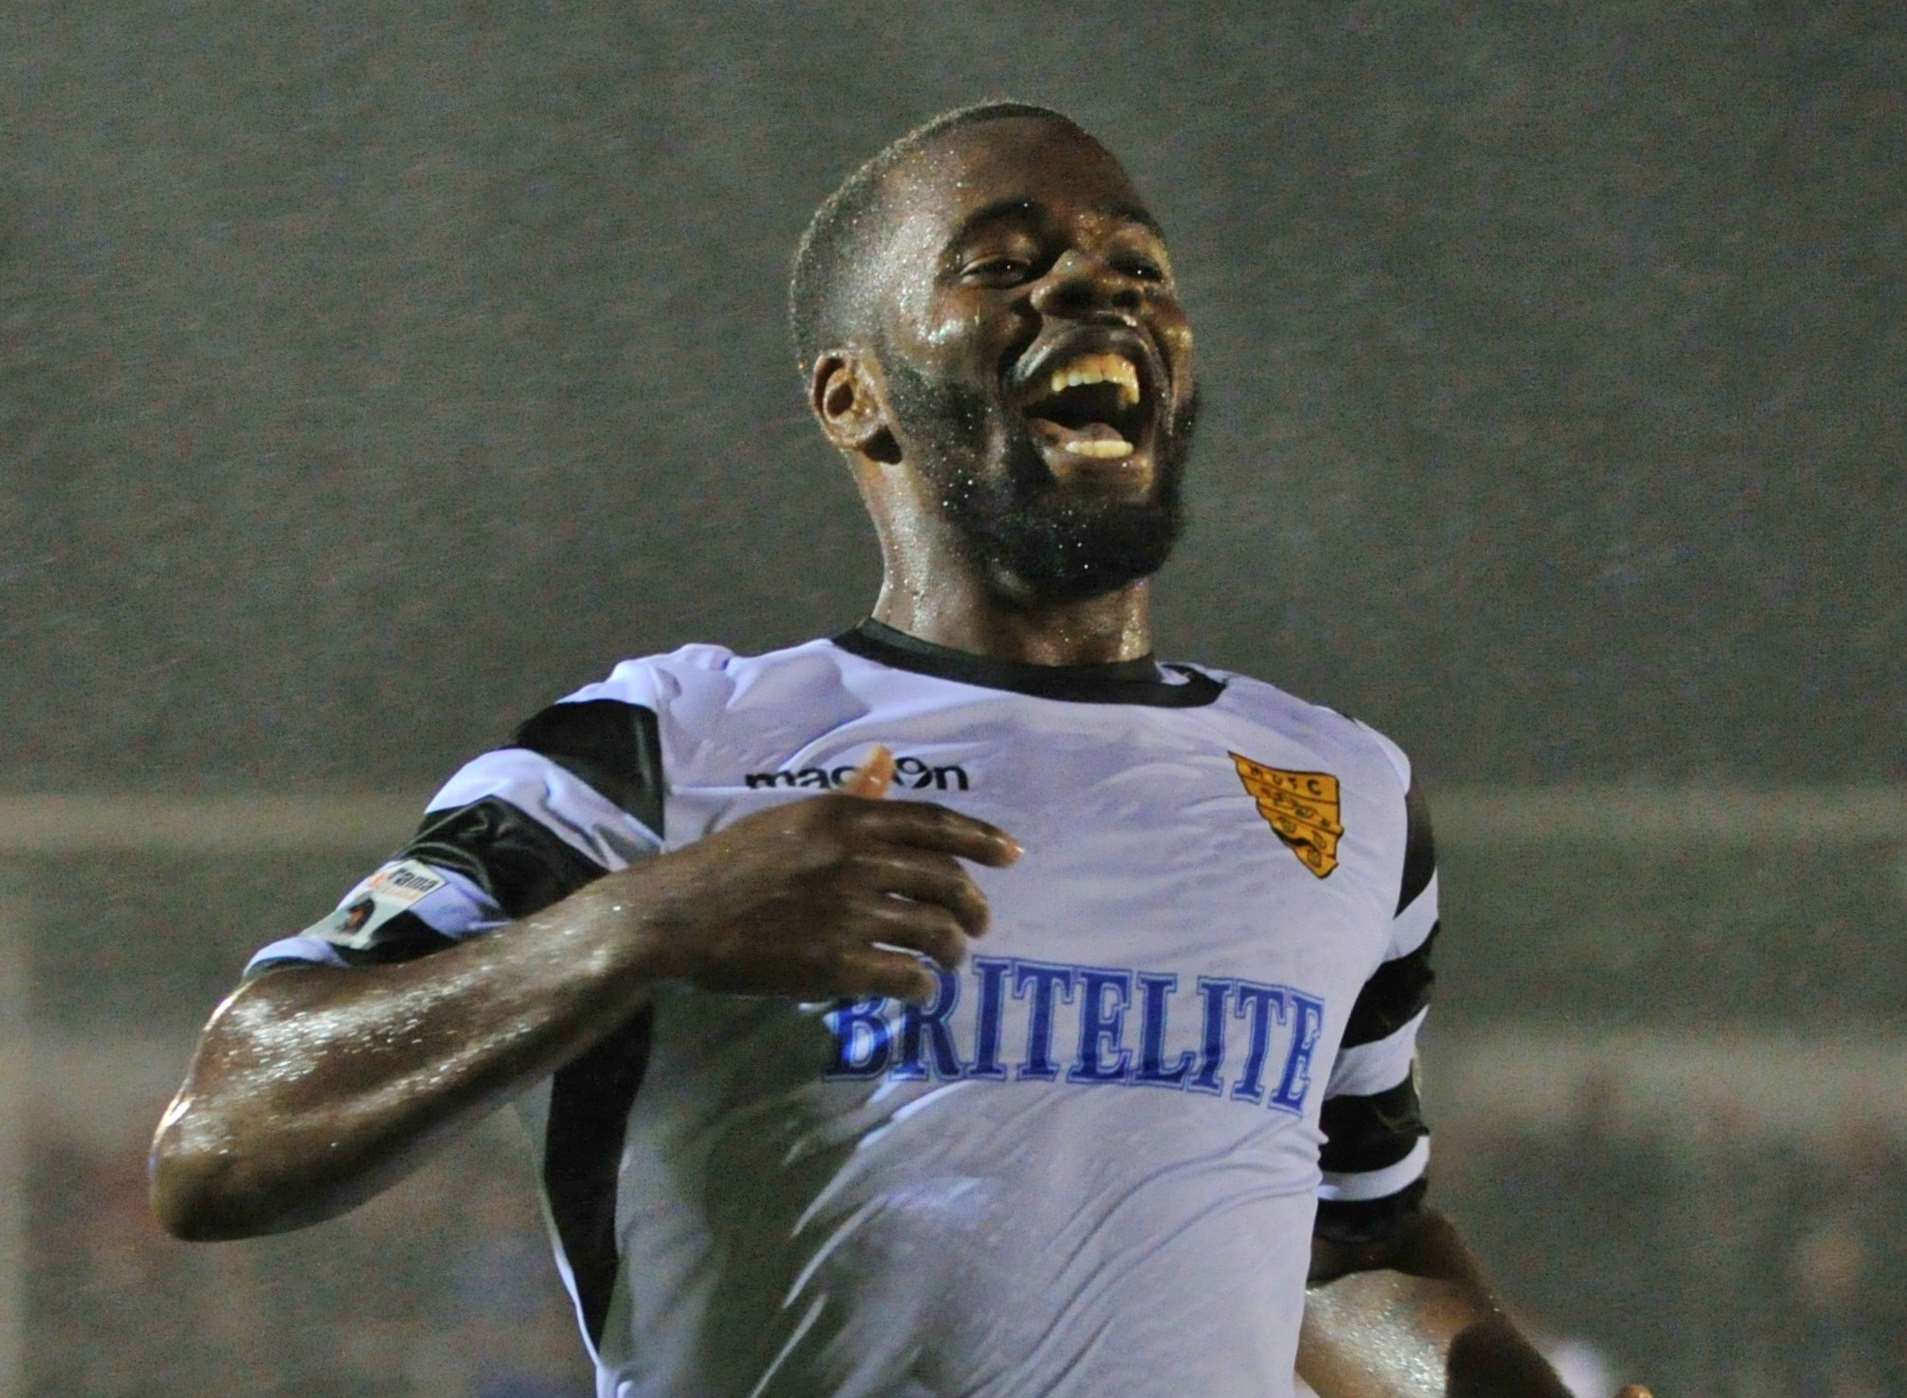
x,y
395,888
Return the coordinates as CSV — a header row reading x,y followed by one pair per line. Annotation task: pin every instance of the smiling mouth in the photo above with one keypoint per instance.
x,y
1091,407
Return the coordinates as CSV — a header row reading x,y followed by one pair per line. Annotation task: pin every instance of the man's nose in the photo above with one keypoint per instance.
x,y
1078,282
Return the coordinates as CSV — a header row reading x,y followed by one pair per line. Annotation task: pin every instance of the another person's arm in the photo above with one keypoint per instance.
x,y
1398,1306
1414,1317
315,1086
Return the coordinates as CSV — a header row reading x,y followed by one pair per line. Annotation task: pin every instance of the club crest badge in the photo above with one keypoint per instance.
x,y
1301,808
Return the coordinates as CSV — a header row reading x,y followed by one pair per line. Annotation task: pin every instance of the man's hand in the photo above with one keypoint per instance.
x,y
820,898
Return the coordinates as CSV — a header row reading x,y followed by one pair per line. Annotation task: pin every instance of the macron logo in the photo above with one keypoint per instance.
x,y
910,772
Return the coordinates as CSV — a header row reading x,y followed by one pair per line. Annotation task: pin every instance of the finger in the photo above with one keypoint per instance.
x,y
927,928
869,971
926,878
1634,1390
925,825
872,777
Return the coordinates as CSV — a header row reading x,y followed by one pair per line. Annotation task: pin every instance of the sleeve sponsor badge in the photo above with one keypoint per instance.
x,y
393,889
1302,809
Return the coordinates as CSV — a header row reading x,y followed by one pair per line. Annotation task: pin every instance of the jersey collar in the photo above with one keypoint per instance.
x,y
1140,681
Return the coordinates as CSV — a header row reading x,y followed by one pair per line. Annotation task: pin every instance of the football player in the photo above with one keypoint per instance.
x,y
964,1002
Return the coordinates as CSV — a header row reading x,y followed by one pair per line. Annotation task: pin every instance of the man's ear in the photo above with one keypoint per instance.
x,y
846,398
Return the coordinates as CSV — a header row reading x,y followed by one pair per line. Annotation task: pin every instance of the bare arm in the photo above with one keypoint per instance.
x,y
1412,1316
1415,1304
312,1088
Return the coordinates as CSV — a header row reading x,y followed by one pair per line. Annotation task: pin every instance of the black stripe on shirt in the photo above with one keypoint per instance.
x,y
590,1100
617,749
1369,1220
400,937
1139,681
520,862
613,746
1396,991
1420,848
1369,1133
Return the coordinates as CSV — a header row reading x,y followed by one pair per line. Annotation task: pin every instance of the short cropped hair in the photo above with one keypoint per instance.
x,y
845,232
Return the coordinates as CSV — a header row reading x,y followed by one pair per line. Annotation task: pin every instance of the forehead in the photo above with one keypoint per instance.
x,y
971,168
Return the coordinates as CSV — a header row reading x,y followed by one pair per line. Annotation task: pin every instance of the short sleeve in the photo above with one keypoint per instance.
x,y
1377,1147
575,794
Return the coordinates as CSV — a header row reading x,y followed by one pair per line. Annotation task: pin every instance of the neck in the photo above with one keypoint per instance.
x,y
930,590
953,608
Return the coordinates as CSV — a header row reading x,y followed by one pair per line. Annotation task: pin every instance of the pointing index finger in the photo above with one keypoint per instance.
x,y
873,776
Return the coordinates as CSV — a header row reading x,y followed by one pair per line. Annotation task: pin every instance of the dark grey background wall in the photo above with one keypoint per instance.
x,y
374,375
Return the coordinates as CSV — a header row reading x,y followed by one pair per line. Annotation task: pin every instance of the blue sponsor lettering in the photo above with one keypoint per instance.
x,y
1100,1026
1156,990
1046,979
1213,990
1307,1012
992,971
1268,1034
1258,1003
860,1038
929,1024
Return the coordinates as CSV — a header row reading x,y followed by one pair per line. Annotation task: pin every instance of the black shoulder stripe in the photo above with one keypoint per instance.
x,y
1420,850
509,854
401,937
582,1156
1369,1220
1369,1133
1396,991
613,746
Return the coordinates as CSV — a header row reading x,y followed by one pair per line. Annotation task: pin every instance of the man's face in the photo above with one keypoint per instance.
x,y
1022,252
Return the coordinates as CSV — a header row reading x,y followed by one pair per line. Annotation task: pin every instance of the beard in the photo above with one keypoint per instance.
x,y
1029,536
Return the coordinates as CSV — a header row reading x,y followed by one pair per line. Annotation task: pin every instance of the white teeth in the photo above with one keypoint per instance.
x,y
1106,450
1099,368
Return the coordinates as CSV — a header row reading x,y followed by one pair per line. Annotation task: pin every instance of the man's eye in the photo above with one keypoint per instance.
x,y
999,266
1144,270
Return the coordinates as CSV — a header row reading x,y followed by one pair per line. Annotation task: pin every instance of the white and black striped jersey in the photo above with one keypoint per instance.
x,y
1094,1163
